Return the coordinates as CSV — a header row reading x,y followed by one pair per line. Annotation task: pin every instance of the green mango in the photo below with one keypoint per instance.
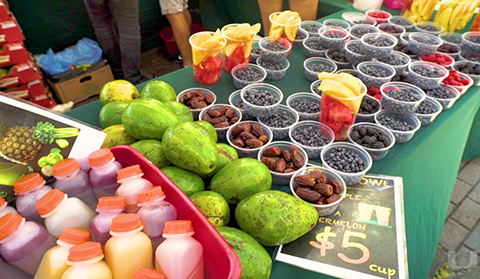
x,y
213,206
189,182
255,260
152,150
275,217
240,179
226,155
182,111
160,90
148,118
189,147
111,114
209,129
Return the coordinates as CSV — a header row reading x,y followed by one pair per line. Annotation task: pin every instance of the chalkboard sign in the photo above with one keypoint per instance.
x,y
364,238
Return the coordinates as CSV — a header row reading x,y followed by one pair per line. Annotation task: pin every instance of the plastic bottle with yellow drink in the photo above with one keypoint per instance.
x,y
86,262
54,262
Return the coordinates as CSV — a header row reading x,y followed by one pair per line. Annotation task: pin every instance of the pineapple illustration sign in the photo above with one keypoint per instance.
x,y
32,139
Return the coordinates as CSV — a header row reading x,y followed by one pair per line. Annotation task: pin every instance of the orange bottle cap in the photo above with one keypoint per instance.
x,y
9,223
85,251
126,223
28,182
49,201
100,157
112,203
129,172
2,202
147,273
65,167
74,236
178,227
150,194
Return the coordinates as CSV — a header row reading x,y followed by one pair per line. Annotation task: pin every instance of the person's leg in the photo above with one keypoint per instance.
x,y
306,8
127,17
102,21
180,19
266,8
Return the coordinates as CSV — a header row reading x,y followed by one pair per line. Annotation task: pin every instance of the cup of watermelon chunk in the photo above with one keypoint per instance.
x,y
337,116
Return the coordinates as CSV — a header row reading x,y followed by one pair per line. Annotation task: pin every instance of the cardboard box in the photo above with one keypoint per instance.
x,y
81,86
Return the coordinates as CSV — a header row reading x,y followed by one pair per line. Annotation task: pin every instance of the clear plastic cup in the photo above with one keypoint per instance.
x,y
235,101
358,30
196,112
429,27
281,133
462,88
371,14
340,64
423,43
353,57
452,38
401,136
362,20
422,81
332,42
453,50
405,107
207,66
446,102
274,56
322,209
405,22
349,178
241,83
372,81
476,78
368,117
255,53
397,56
469,47
301,36
249,152
372,51
398,30
375,153
462,56
310,51
312,151
314,87
311,27
274,74
335,22
278,177
221,132
261,111
274,25
243,47
427,119
306,97
325,64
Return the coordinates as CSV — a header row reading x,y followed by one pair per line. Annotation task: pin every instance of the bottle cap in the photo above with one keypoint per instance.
x,y
129,172
27,182
85,251
9,223
178,227
150,194
147,273
65,167
111,203
100,157
49,201
74,236
126,223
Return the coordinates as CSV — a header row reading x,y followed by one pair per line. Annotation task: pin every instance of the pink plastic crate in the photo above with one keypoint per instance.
x,y
221,262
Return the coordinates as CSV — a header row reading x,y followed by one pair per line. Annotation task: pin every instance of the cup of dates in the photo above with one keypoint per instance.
x,y
375,139
248,137
196,99
284,159
221,116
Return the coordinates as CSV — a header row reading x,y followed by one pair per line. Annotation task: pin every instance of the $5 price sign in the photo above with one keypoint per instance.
x,y
325,245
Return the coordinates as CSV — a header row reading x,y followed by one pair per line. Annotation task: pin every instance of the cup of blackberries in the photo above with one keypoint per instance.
x,y
375,139
369,107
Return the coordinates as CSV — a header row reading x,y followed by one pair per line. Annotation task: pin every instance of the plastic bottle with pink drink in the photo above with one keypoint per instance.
x,y
107,208
154,212
23,243
131,182
86,262
180,256
103,173
4,208
29,189
74,181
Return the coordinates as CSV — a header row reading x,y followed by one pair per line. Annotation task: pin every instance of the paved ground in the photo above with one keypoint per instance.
x,y
462,227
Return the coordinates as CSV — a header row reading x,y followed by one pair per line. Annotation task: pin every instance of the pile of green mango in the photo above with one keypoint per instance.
x,y
212,175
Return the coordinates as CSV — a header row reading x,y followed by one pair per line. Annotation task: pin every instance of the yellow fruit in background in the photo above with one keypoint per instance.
x,y
118,90
117,135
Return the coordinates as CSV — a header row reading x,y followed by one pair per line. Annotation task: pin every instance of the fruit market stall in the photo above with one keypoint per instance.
x,y
428,163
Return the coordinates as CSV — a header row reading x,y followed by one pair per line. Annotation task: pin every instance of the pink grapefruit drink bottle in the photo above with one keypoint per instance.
x,y
129,248
147,273
29,189
74,181
180,256
154,212
54,262
9,271
4,208
131,182
61,212
107,208
86,262
23,243
103,173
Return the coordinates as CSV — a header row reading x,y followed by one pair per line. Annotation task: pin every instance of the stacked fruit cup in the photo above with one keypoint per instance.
x,y
239,44
284,25
206,51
